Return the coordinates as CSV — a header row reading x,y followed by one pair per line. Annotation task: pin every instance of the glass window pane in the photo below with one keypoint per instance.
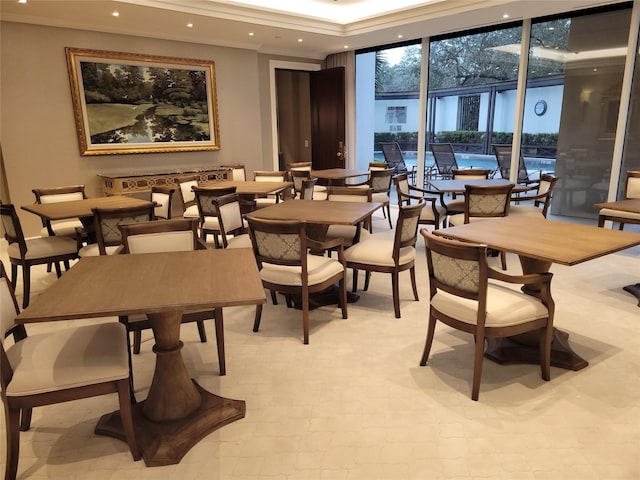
x,y
631,153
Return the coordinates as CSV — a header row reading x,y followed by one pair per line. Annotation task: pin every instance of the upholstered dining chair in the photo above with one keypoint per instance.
x,y
468,295
286,266
541,199
175,235
376,254
270,176
238,172
349,234
189,207
308,189
433,212
233,227
378,166
60,194
484,203
106,222
26,252
208,219
380,182
631,190
163,196
456,205
298,173
59,366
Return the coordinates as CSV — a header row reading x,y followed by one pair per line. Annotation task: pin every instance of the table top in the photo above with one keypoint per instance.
x,y
112,285
320,212
81,208
457,186
547,240
251,187
338,173
629,205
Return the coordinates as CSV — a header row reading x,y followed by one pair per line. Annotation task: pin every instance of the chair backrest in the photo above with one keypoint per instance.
x,y
349,194
238,172
205,198
487,201
229,215
186,191
378,166
59,194
308,187
9,308
470,174
297,177
545,187
107,221
380,180
458,268
12,228
175,235
444,158
503,157
403,191
270,176
279,242
163,196
632,185
406,228
306,166
393,156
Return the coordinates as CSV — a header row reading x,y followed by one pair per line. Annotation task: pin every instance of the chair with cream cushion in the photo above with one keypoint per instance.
x,y
456,205
380,254
59,366
308,190
298,175
270,176
349,234
60,194
207,215
233,228
286,266
176,235
238,172
380,182
163,196
433,212
631,190
26,252
106,224
468,295
190,209
541,199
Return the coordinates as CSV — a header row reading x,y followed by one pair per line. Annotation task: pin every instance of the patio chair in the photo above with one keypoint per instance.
x,y
395,159
503,157
445,159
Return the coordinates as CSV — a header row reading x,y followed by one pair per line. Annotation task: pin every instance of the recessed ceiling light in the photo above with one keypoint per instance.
x,y
400,36
190,25
115,14
251,34
346,46
22,1
299,40
506,15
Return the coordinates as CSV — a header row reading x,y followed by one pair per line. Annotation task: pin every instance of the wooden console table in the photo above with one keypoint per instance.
x,y
134,183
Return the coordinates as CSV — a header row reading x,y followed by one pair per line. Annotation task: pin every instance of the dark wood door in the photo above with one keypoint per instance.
x,y
327,118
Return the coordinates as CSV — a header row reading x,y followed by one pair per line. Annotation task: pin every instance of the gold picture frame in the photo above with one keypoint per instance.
x,y
133,103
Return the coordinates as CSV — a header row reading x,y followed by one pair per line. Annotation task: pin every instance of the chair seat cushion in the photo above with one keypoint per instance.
x,y
609,212
239,241
455,206
93,250
211,223
381,197
45,247
68,358
63,228
319,269
505,306
191,212
427,212
378,251
529,210
458,219
265,202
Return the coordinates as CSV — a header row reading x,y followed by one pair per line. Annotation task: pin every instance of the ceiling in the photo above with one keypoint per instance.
x,y
298,28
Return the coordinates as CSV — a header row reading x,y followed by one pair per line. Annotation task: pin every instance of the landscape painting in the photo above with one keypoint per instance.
x,y
132,103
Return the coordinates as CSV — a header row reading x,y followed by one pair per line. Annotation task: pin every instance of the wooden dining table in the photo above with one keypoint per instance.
x,y
539,243
457,186
177,412
631,205
338,176
248,187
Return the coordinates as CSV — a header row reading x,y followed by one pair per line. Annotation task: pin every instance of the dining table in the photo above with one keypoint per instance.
x,y
539,243
338,176
177,412
249,190
457,186
631,205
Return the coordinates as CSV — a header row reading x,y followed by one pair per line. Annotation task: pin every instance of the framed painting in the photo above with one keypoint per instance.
x,y
132,103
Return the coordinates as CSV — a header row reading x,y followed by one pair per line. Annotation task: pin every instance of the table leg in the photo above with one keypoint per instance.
x,y
525,348
177,412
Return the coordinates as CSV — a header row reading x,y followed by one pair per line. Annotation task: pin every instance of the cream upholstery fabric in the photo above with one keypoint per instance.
x,y
44,247
269,178
232,216
505,306
284,246
319,269
486,204
633,187
61,197
458,219
68,358
427,212
175,241
211,223
93,250
462,274
191,212
7,311
162,199
187,193
619,213
62,227
239,241
378,251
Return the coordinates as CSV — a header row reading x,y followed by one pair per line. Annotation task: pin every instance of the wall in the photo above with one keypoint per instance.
x,y
37,126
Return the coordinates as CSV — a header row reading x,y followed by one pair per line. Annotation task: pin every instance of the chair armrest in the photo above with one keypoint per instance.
x,y
326,245
528,279
202,245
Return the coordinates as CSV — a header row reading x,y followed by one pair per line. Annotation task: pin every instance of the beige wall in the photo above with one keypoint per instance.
x,y
37,127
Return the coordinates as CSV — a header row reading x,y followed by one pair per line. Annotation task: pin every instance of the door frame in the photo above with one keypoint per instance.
x,y
273,66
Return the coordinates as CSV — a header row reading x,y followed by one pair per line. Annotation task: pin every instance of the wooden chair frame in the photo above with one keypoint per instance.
x,y
206,210
407,194
163,196
633,177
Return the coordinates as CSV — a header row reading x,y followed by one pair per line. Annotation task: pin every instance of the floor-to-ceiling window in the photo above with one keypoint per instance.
x,y
631,153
